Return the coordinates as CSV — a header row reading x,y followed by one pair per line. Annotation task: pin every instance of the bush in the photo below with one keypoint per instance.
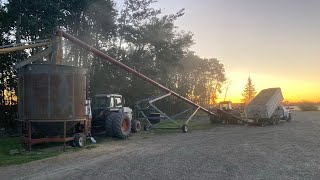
x,y
308,106
8,115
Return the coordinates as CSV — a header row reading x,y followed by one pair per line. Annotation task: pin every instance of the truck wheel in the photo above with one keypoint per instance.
x,y
262,123
278,120
135,126
121,125
146,127
289,118
274,120
79,140
185,128
108,125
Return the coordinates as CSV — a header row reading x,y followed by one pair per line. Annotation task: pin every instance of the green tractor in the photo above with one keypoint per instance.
x,y
110,117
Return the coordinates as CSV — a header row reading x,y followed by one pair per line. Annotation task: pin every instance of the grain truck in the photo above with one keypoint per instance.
x,y
266,108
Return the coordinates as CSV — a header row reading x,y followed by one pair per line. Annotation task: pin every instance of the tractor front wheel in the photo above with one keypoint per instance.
x,y
135,126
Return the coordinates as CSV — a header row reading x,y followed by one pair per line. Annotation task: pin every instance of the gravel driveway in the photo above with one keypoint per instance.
x,y
285,151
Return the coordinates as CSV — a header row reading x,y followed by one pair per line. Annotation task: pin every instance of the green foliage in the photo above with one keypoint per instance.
x,y
249,92
308,106
199,79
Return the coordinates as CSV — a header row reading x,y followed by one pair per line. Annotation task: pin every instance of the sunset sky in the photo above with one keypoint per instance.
x,y
275,42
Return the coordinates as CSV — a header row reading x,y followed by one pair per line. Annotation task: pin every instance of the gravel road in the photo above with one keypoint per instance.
x,y
285,151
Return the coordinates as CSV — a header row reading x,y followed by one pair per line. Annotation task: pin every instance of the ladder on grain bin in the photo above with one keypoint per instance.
x,y
113,61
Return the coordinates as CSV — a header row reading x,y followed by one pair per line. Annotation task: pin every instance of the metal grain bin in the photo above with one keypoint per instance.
x,y
49,92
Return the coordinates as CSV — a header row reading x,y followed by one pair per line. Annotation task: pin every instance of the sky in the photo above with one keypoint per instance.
x,y
275,42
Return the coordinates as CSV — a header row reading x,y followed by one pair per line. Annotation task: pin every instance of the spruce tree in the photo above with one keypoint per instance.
x,y
249,92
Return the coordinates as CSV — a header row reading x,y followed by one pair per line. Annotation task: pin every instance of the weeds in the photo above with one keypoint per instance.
x,y
308,106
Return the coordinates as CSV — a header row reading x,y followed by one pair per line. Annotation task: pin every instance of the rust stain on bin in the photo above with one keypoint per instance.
x,y
51,92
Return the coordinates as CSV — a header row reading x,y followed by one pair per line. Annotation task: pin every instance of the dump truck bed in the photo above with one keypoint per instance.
x,y
264,104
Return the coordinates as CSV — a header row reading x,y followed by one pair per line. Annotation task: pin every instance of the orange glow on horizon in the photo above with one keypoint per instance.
x,y
293,90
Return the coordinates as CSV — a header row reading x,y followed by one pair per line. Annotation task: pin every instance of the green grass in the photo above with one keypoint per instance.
x,y
38,152
193,125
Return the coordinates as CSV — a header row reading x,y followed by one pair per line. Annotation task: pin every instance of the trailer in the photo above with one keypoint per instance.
x,y
265,107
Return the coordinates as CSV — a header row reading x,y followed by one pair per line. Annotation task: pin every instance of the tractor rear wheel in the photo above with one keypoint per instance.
x,y
108,125
215,119
121,125
135,126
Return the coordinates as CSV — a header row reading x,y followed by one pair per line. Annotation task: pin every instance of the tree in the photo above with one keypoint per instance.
x,y
28,20
249,92
199,79
138,35
149,42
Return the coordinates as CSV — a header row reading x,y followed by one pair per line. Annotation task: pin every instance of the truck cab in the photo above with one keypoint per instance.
x,y
283,113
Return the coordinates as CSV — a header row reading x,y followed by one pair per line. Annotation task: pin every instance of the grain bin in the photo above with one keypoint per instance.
x,y
49,93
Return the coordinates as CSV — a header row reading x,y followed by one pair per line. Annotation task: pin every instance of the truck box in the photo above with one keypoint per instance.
x,y
264,104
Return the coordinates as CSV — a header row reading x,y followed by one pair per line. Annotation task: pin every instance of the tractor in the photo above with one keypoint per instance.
x,y
110,117
226,114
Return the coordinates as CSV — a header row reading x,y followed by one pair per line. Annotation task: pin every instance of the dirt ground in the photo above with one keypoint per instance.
x,y
284,151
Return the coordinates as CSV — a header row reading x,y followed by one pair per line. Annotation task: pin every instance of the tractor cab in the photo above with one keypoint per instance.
x,y
111,102
227,114
107,103
225,105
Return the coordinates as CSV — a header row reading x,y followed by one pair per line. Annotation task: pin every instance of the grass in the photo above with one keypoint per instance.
x,y
193,125
308,106
38,152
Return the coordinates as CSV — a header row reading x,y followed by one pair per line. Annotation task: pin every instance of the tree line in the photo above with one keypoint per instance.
x,y
136,34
